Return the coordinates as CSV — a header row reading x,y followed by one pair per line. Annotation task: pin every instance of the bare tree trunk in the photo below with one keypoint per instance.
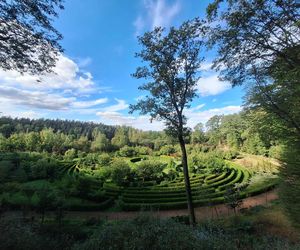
x,y
187,181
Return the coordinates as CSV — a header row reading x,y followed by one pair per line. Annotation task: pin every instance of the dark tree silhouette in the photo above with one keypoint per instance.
x,y
172,69
28,40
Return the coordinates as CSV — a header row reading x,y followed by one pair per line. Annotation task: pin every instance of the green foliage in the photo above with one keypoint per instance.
x,y
5,168
144,150
104,160
70,154
233,198
290,187
203,162
143,233
45,201
127,151
276,151
100,143
19,235
120,172
150,170
167,150
254,145
120,138
198,135
36,35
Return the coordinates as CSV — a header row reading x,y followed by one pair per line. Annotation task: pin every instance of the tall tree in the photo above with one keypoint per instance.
x,y
258,44
198,135
173,61
120,138
28,40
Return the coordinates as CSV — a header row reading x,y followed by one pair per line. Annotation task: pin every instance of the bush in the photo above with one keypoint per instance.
x,y
276,151
127,151
230,154
70,154
167,150
212,161
16,235
5,168
104,160
150,170
144,150
143,233
120,172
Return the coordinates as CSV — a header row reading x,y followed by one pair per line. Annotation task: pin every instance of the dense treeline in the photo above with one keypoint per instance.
x,y
9,126
60,135
240,132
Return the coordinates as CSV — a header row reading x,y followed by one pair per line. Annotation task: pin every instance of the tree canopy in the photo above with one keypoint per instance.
x,y
28,40
172,71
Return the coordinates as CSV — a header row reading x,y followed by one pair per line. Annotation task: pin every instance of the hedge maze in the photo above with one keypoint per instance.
x,y
207,189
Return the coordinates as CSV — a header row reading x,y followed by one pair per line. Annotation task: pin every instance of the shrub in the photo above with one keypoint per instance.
x,y
167,150
276,151
143,233
143,150
149,170
5,169
230,154
104,160
127,151
120,172
70,154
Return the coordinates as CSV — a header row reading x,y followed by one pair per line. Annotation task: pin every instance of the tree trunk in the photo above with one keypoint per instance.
x,y
187,181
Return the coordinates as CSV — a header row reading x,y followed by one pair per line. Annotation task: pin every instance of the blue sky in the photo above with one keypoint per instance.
x,y
92,80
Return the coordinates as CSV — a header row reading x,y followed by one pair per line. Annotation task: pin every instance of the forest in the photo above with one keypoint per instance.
x,y
232,182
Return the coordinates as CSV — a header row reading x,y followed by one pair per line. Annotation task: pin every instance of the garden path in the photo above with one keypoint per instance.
x,y
201,213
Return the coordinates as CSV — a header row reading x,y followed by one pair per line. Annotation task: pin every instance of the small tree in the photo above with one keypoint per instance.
x,y
172,70
232,198
45,201
120,172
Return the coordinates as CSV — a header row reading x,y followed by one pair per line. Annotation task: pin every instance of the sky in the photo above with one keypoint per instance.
x,y
92,80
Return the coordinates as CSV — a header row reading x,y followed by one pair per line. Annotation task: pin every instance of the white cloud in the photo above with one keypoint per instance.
x,y
211,85
156,13
162,13
194,117
68,87
83,62
88,104
206,66
66,75
9,109
139,25
29,114
36,99
139,122
121,105
143,122
200,106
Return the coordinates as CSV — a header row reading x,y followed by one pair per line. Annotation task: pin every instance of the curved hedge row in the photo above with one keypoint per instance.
x,y
207,189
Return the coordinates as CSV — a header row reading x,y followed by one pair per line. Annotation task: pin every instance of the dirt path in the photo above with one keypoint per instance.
x,y
201,212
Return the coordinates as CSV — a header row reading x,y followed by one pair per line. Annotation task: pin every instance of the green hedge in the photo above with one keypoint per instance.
x,y
217,178
206,190
223,181
238,178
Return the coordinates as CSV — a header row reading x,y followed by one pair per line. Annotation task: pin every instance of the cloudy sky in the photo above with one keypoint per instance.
x,y
92,79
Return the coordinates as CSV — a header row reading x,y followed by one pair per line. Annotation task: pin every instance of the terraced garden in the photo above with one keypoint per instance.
x,y
207,189
132,184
